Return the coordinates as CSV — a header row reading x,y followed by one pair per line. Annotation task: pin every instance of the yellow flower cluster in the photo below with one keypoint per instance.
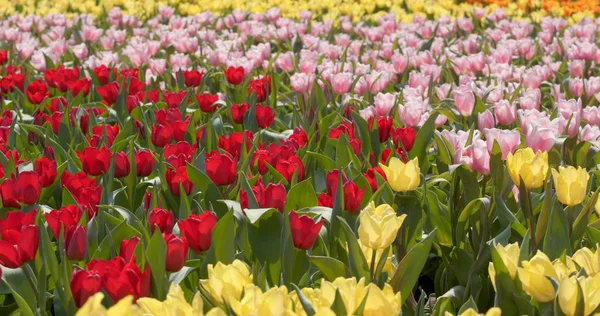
x,y
535,277
326,9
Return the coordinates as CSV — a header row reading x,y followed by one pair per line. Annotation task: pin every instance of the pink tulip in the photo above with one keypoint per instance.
x,y
341,82
590,133
591,115
506,113
399,62
576,87
530,99
508,140
540,138
464,100
301,82
384,102
485,120
368,113
476,156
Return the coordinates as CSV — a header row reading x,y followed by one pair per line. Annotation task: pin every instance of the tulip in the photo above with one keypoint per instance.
x,y
402,177
485,120
384,127
507,139
382,302
264,115
476,156
352,197
331,180
568,294
510,258
109,92
351,292
162,134
570,184
301,82
173,99
494,311
175,301
588,260
177,249
93,306
177,177
221,168
192,78
304,230
540,138
66,217
207,102
121,278
76,242
534,277
121,168
234,75
271,196
341,82
379,225
238,111
531,168
84,284
226,283
464,100
384,102
289,166
144,163
20,240
95,161
275,301
37,91
197,229
46,169
127,248
506,112
233,143
325,200
405,136
162,219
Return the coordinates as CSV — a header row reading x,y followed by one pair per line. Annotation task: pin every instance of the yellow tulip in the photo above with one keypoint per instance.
x,y
570,184
227,282
382,302
510,257
533,277
564,269
494,311
379,225
529,166
590,287
588,260
351,292
93,306
402,177
174,304
275,301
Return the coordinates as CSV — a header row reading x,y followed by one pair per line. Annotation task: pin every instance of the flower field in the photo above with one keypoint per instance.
x,y
422,158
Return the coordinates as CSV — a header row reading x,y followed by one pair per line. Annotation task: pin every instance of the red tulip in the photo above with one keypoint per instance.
x,y
288,166
405,136
259,159
198,230
162,135
385,154
271,196
67,216
177,176
148,96
95,161
132,102
331,181
144,163
80,85
20,240
355,145
46,169
3,56
24,188
121,165
76,242
233,143
103,73
84,190
304,230
192,78
109,92
207,102
260,87
127,249
234,75
343,128
37,91
298,137
238,111
121,278
384,127
135,86
111,132
84,284
177,249
173,99
179,129
264,115
220,168
352,197
162,219
325,200
372,178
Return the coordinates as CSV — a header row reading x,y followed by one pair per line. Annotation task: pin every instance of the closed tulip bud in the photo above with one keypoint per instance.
x,y
379,225
46,169
177,249
588,260
76,242
127,248
85,284
226,283
122,167
534,277
532,168
570,184
144,163
352,197
198,230
95,161
464,100
304,230
401,176
510,258
163,219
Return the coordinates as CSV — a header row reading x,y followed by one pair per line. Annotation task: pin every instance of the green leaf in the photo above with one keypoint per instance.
x,y
301,195
156,253
22,292
357,261
408,271
306,305
424,137
223,239
556,241
331,268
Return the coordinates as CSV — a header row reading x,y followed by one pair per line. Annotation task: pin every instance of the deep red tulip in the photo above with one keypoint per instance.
x,y
207,101
20,240
37,91
325,200
127,248
175,177
24,188
259,159
162,135
144,163
198,230
95,161
111,132
85,284
288,166
331,181
121,278
372,178
132,102
405,136
84,190
103,73
385,154
298,137
271,196
121,165
384,127
192,78
260,87
234,75
173,99
343,128
352,197
3,56
304,230
161,218
76,242
221,168
167,116
238,111
67,216
179,129
78,86
109,92
233,143
135,86
177,250
46,169
264,115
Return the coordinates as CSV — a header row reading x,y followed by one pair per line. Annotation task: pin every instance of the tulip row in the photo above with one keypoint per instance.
x,y
254,164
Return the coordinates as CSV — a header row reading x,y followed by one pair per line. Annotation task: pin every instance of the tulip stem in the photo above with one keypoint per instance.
x,y
571,210
373,264
29,275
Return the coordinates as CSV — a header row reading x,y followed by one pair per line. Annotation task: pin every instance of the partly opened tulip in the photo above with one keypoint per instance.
x,y
304,230
402,177
532,168
570,184
379,225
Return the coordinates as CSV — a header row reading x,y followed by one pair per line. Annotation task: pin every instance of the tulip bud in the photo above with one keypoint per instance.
x,y
379,225
532,168
402,177
76,242
177,249
304,230
570,184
